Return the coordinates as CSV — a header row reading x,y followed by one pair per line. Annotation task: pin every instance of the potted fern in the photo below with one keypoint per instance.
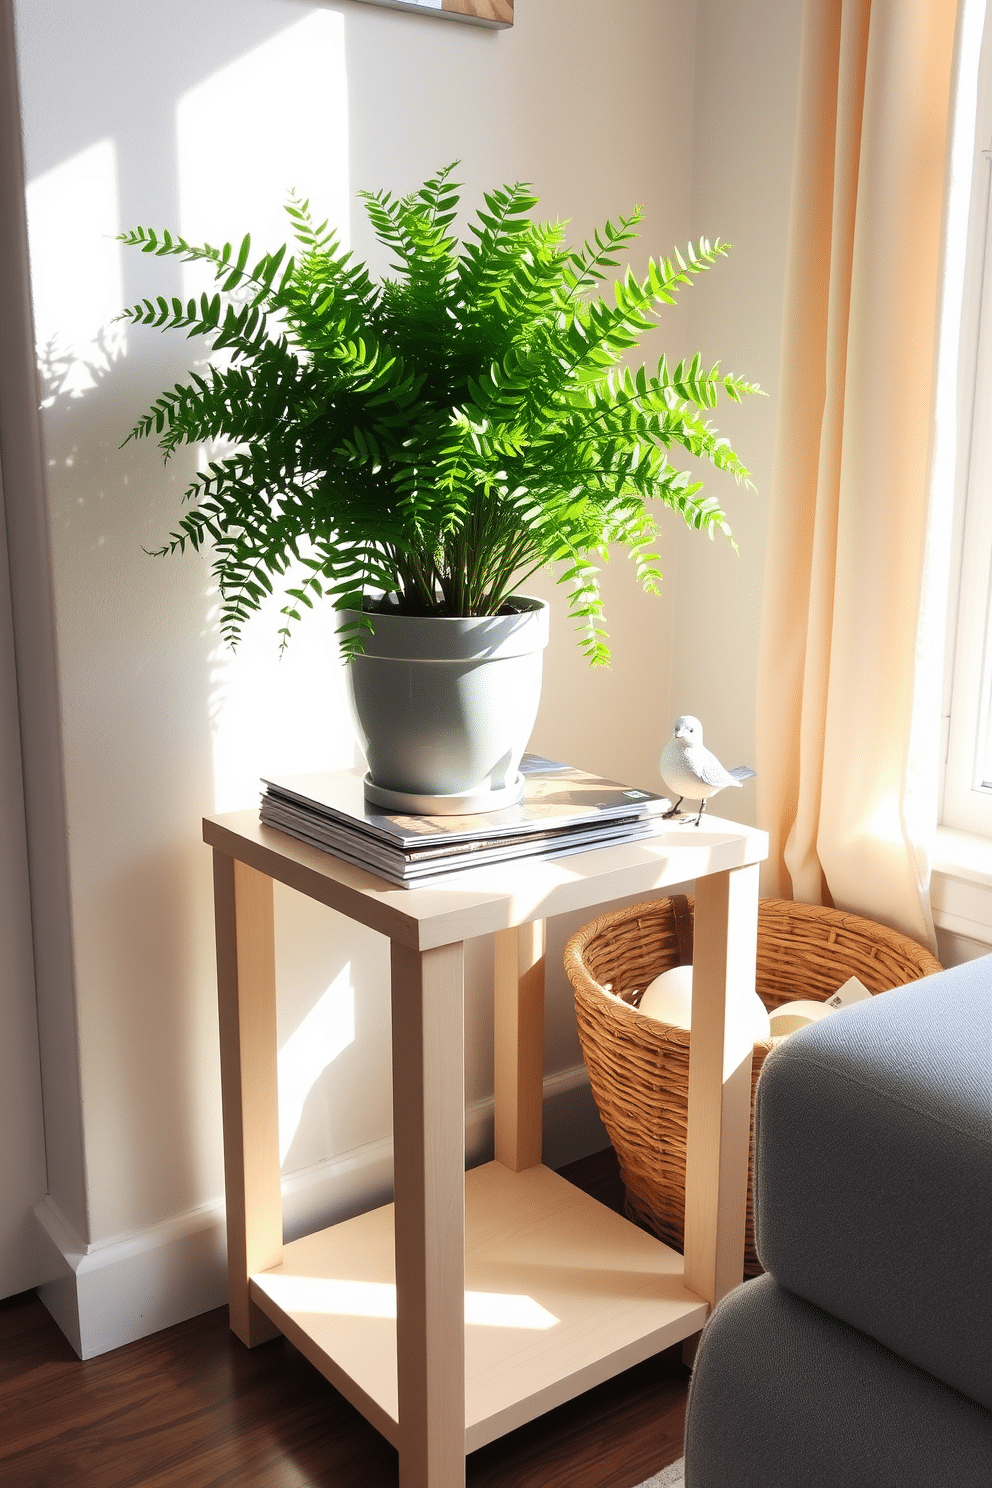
x,y
410,451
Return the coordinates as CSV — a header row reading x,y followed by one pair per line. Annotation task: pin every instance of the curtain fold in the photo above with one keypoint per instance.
x,y
839,685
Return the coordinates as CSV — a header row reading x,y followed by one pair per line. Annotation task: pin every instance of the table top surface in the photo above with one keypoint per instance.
x,y
479,901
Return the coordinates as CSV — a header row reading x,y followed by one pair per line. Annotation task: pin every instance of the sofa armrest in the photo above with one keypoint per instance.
x,y
783,1395
873,1171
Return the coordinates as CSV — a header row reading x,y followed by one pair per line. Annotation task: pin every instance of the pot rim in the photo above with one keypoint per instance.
x,y
454,638
531,605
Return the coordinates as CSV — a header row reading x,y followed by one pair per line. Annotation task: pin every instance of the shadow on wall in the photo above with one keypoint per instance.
x,y
162,724
141,771
136,706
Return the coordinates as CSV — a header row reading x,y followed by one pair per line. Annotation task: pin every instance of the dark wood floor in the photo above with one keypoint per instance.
x,y
192,1406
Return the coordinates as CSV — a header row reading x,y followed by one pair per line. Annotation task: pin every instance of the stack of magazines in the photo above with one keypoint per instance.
x,y
563,811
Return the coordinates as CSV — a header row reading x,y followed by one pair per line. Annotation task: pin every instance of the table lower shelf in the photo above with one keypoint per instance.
x,y
561,1294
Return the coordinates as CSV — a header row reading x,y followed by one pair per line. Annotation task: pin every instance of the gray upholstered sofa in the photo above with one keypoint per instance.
x,y
863,1358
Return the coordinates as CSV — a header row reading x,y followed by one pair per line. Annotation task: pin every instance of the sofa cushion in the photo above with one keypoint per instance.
x,y
783,1395
873,1171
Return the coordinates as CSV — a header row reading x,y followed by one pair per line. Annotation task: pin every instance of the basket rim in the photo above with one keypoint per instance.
x,y
586,987
840,918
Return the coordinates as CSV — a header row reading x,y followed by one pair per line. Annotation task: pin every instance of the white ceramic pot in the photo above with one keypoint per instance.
x,y
445,707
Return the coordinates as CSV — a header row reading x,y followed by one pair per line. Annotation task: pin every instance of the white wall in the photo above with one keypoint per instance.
x,y
199,115
695,650
747,59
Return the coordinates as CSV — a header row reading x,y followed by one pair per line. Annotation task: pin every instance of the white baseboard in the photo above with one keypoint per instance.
x,y
104,1296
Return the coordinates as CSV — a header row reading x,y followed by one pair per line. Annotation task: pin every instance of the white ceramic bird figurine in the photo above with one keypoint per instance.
x,y
689,769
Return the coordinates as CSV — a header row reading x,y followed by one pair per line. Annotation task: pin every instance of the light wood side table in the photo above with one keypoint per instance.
x,y
477,1301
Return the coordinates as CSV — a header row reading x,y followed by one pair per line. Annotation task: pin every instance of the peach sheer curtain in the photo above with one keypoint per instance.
x,y
848,700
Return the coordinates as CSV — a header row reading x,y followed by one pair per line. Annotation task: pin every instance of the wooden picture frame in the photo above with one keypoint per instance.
x,y
494,13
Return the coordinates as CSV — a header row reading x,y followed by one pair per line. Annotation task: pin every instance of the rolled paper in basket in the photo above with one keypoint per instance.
x,y
795,1015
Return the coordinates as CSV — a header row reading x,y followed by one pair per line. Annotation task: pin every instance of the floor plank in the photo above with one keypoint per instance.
x,y
192,1406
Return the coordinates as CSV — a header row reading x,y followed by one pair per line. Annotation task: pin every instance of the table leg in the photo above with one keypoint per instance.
x,y
246,1000
726,930
518,1063
429,1212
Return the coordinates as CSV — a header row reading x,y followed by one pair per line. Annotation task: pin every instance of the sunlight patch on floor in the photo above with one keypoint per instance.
x,y
343,1298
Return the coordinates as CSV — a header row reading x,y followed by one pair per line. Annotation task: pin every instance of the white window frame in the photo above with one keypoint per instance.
x,y
967,784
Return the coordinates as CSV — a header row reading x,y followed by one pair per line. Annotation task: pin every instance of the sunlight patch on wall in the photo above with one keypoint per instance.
x,y
273,121
76,296
275,714
316,1042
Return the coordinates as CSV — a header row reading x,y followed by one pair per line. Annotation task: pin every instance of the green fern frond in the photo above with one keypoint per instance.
x,y
444,433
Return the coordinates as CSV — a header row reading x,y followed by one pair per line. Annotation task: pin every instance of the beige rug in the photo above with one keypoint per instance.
x,y
669,1477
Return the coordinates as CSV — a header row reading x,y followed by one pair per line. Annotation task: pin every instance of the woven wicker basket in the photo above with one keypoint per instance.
x,y
639,1068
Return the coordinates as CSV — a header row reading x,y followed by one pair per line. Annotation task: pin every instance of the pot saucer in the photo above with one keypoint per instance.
x,y
462,804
